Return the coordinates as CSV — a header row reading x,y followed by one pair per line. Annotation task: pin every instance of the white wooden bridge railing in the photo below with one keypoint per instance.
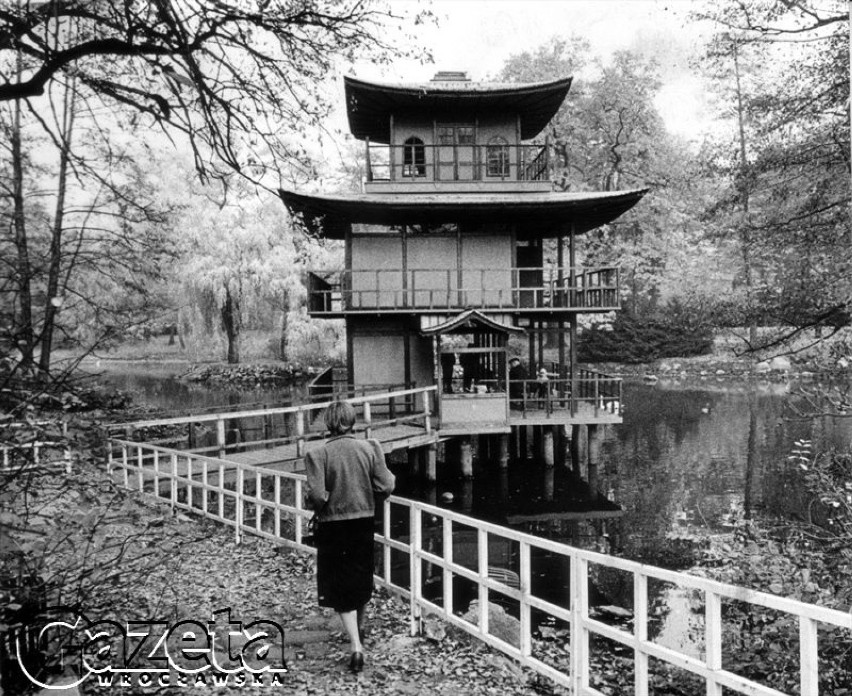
x,y
387,408
268,503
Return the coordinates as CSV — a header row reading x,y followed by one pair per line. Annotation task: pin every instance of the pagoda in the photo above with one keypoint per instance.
x,y
461,259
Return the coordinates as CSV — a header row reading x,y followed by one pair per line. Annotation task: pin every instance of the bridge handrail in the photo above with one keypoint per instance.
x,y
147,466
256,413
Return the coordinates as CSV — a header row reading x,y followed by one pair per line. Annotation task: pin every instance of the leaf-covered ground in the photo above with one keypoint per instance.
x,y
119,556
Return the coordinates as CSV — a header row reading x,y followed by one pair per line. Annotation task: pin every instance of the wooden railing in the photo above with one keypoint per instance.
x,y
46,453
443,289
468,162
239,431
591,391
417,543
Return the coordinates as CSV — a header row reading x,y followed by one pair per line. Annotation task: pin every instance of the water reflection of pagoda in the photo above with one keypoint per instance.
x,y
460,256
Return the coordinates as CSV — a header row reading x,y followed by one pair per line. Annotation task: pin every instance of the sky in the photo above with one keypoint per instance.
x,y
479,35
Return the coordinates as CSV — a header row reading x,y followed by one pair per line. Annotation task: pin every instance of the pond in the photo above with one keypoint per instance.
x,y
691,459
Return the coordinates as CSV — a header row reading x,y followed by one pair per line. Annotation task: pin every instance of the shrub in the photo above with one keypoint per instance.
x,y
675,331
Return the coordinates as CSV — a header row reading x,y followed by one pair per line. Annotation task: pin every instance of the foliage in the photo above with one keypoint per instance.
x,y
231,76
608,135
674,331
238,258
85,234
781,70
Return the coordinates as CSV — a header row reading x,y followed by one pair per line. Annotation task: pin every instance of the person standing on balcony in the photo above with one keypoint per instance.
x,y
517,383
345,477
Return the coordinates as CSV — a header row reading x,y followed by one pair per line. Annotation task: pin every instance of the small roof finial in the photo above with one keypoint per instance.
x,y
451,76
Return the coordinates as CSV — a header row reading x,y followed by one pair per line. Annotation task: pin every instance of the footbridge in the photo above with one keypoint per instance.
x,y
240,471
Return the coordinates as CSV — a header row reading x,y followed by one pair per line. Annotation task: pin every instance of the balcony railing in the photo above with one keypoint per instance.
x,y
469,162
509,289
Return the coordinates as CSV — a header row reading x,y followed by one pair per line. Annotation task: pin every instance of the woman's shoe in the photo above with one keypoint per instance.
x,y
356,662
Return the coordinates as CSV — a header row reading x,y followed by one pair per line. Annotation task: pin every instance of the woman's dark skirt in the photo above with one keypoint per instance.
x,y
345,563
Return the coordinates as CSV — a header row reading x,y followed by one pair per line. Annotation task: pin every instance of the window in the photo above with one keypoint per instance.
x,y
465,135
413,158
497,157
455,135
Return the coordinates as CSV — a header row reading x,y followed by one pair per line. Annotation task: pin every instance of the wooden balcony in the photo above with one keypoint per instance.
x,y
412,166
337,293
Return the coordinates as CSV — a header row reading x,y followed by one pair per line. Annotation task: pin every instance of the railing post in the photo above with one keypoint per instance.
x,y
369,163
386,533
391,404
579,634
808,657
238,507
414,571
220,435
300,433
427,411
124,465
525,638
482,568
597,393
297,491
447,543
173,481
368,420
640,631
713,640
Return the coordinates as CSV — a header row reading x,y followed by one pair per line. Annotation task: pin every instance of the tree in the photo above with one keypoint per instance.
x,y
238,256
789,178
607,136
230,75
239,80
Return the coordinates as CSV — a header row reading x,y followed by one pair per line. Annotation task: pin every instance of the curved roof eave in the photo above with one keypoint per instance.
x,y
332,215
370,104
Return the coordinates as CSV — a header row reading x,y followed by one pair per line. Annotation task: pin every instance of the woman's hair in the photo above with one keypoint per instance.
x,y
339,417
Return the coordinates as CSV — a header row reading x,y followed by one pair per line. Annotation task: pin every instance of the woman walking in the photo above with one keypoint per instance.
x,y
344,477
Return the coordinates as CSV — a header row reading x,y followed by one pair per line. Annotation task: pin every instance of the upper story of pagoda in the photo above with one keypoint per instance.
x,y
454,135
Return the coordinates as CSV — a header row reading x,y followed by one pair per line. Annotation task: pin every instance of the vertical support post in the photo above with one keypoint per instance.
x,y
522,443
414,573
593,453
503,458
579,634
432,463
578,447
713,641
640,631
124,465
466,457
298,503
547,446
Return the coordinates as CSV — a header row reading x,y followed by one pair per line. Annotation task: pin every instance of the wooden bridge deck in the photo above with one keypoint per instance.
x,y
286,458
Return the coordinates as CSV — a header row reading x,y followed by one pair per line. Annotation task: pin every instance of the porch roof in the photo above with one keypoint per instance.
x,y
470,318
548,212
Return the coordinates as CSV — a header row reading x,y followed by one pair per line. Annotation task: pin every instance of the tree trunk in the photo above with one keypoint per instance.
x,y
231,326
54,299
745,195
24,330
